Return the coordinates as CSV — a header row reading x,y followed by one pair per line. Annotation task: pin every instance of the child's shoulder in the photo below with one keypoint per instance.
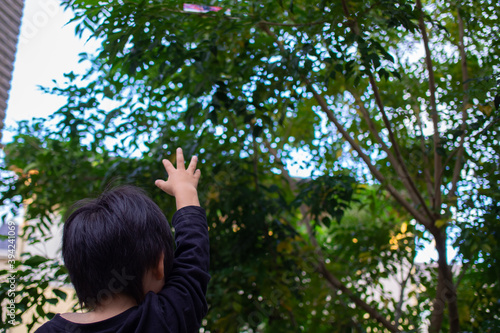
x,y
84,317
87,322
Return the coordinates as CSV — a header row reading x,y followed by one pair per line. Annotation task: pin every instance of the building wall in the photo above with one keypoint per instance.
x,y
11,12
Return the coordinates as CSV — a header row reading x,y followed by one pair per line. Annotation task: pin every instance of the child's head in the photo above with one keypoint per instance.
x,y
109,243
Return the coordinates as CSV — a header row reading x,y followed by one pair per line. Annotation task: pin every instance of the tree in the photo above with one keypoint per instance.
x,y
400,97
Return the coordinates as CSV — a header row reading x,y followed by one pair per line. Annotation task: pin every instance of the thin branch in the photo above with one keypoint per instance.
x,y
464,269
268,31
376,173
397,160
404,282
434,114
375,133
337,284
427,173
255,160
399,163
468,138
347,14
281,165
330,278
493,122
465,79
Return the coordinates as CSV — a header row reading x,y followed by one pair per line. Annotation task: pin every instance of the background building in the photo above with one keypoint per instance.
x,y
10,21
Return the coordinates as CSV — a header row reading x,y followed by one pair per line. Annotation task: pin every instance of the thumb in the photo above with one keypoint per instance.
x,y
160,183
164,186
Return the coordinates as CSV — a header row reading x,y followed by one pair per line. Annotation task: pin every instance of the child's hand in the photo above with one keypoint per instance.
x,y
181,183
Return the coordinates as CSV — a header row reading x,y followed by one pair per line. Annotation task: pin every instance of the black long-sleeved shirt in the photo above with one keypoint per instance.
x,y
180,305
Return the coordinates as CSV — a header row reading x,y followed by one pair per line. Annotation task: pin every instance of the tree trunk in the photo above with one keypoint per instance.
x,y
445,292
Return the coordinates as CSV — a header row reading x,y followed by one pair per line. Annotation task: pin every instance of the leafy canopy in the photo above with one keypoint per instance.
x,y
399,97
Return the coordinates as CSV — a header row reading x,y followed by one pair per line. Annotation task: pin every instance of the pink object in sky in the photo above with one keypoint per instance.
x,y
188,7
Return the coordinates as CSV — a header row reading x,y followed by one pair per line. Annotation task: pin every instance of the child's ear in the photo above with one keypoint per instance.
x,y
158,271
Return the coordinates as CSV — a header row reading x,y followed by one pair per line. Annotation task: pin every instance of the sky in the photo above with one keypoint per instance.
x,y
47,49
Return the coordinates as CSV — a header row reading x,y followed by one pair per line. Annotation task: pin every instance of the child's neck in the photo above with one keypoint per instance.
x,y
119,304
114,307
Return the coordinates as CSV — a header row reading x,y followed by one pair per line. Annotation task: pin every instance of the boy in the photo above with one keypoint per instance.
x,y
119,253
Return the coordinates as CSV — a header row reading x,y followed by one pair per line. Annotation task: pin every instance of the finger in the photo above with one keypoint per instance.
x,y
180,159
192,165
169,167
197,174
160,183
163,185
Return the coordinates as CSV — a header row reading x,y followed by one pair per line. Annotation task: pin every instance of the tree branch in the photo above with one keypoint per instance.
x,y
281,165
468,138
445,291
375,133
396,159
427,174
434,115
375,172
338,285
486,128
347,14
404,282
268,31
465,78
331,279
255,159
399,164
465,268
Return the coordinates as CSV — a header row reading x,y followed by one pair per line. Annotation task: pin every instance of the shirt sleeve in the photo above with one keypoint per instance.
x,y
186,286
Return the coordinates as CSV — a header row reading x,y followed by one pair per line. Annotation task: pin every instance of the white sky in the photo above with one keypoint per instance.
x,y
46,50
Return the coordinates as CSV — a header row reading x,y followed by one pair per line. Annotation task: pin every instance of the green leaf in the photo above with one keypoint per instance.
x,y
35,261
59,293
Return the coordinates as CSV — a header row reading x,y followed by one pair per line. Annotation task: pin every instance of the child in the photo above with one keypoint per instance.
x,y
119,253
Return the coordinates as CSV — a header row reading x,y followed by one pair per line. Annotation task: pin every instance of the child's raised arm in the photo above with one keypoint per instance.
x,y
183,298
181,183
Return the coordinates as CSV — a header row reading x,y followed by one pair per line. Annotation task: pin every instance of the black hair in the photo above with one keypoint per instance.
x,y
110,242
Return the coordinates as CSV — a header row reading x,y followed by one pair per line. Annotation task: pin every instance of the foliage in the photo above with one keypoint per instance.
x,y
343,91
